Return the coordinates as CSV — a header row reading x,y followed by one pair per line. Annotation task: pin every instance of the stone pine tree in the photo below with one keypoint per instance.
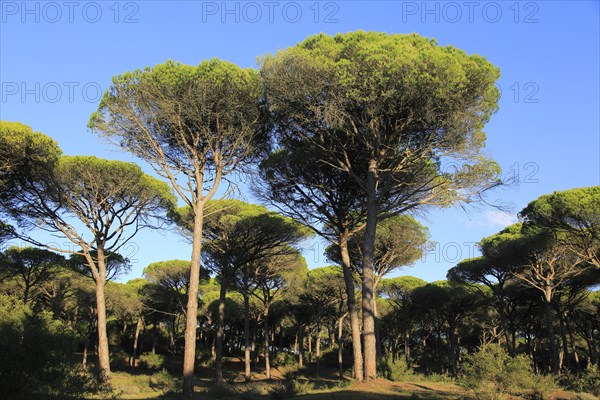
x,y
195,125
300,185
98,205
399,114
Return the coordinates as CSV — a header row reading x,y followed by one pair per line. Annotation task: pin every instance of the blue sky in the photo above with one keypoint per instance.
x,y
57,57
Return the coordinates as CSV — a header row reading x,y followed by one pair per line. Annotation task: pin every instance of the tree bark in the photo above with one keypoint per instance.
x,y
300,353
220,327
340,347
191,321
563,337
85,352
357,360
368,283
376,321
136,337
318,351
103,355
550,331
407,348
247,372
266,338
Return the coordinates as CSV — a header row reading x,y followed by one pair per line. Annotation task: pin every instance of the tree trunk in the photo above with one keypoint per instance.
x,y
376,320
504,326
368,284
26,293
309,348
550,331
136,337
220,327
407,348
453,350
357,360
318,350
247,373
266,338
103,355
85,352
572,344
341,347
300,353
296,343
191,321
564,343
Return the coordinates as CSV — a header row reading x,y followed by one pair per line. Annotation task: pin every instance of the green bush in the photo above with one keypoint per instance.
x,y
162,381
394,370
36,355
301,386
286,360
588,381
491,373
152,361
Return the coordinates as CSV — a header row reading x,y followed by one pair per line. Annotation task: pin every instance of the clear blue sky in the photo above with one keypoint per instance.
x,y
56,57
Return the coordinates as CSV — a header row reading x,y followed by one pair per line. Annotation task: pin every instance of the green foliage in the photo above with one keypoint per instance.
x,y
573,216
492,373
298,387
286,360
394,370
400,241
27,159
588,381
36,355
152,361
163,381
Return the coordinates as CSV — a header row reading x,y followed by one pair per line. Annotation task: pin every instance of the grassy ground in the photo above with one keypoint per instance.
x,y
145,385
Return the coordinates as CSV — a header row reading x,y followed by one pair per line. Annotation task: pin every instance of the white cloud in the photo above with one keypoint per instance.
x,y
500,219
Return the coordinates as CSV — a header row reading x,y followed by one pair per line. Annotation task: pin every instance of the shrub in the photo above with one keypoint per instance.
x,y
492,373
36,355
152,361
435,378
162,381
286,360
588,381
221,391
394,370
301,386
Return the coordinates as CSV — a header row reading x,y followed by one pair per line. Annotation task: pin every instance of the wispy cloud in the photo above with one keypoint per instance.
x,y
500,219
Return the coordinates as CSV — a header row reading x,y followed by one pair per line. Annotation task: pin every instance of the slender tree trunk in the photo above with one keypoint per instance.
x,y
572,344
103,355
453,348
407,347
85,352
136,337
301,352
504,326
341,347
309,348
357,360
376,321
26,293
318,350
368,284
191,321
550,330
563,338
247,373
266,342
296,343
220,327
